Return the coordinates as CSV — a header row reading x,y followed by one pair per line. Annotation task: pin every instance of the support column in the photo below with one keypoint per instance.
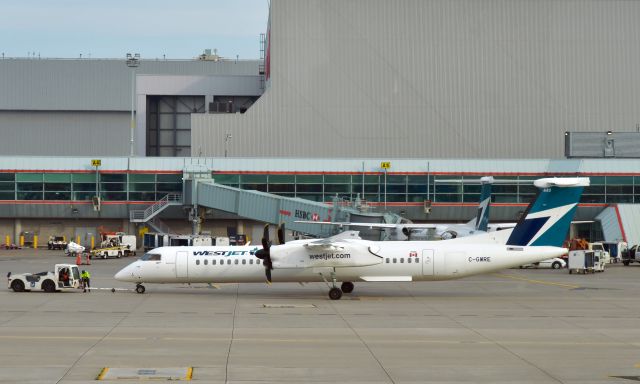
x,y
17,229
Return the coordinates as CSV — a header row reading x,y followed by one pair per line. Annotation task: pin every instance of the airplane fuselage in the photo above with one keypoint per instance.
x,y
396,261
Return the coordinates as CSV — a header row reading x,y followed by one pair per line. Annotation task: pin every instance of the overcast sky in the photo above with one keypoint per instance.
x,y
179,29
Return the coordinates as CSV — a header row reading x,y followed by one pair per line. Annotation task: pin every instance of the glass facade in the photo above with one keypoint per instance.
x,y
83,186
395,188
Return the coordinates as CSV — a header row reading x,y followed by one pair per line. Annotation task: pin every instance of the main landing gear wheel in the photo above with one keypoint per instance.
x,y
335,293
347,287
140,288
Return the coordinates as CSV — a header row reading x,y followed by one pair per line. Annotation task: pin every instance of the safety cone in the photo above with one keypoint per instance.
x,y
78,259
88,258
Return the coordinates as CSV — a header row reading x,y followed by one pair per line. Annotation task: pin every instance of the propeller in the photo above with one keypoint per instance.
x,y
281,239
264,254
407,232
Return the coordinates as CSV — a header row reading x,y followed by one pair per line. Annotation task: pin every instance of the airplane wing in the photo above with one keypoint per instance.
x,y
332,243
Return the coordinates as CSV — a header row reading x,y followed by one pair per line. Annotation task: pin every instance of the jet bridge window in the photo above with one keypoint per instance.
x,y
151,257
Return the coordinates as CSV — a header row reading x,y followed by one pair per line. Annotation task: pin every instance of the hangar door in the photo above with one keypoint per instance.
x,y
169,124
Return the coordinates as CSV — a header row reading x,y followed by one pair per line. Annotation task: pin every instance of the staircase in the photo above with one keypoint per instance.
x,y
143,216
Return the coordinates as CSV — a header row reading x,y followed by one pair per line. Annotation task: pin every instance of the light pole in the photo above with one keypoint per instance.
x,y
227,137
133,61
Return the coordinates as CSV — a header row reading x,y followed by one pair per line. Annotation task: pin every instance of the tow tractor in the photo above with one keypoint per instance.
x,y
65,277
118,251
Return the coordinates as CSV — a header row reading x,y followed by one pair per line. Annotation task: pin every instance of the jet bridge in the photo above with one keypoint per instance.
x,y
270,208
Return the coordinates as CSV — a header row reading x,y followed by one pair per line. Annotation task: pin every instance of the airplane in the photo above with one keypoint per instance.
x,y
346,258
418,231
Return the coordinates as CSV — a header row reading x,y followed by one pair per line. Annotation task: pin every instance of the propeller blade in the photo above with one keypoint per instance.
x,y
265,237
281,233
268,273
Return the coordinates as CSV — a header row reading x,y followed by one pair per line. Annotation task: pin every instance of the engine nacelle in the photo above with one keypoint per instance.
x,y
446,235
349,255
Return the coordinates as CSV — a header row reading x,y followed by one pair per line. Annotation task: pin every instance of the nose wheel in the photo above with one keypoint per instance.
x,y
140,288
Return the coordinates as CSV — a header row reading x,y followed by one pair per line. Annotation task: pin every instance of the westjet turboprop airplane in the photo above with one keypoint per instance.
x,y
417,231
347,258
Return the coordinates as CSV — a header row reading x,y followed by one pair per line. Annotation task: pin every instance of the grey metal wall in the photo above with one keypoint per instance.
x,y
441,78
94,85
97,133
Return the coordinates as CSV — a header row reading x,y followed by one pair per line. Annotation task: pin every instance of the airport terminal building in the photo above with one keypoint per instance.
x,y
404,105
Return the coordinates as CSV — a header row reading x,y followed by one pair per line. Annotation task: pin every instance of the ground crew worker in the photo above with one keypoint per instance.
x,y
86,280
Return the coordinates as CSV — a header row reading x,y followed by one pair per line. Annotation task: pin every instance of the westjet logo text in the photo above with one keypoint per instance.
x,y
224,253
330,256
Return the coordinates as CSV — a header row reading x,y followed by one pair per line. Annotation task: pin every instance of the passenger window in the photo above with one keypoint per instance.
x,y
213,262
197,262
409,260
206,261
387,261
258,262
394,260
251,261
417,259
244,261
402,259
235,262
228,261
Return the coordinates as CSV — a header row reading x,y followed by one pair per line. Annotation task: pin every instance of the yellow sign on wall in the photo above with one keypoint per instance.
x,y
385,165
96,162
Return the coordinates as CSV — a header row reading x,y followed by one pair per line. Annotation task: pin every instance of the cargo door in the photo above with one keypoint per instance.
x,y
427,262
182,264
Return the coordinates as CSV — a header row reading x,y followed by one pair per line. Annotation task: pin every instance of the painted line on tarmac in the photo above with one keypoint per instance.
x,y
326,341
542,282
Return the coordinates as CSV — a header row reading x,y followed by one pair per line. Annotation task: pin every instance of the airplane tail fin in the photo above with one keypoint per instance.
x,y
481,222
546,221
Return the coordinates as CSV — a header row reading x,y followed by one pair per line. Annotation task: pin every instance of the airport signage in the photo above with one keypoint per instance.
x,y
96,162
385,165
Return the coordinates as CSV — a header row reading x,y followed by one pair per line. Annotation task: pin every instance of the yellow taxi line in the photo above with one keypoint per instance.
x,y
514,277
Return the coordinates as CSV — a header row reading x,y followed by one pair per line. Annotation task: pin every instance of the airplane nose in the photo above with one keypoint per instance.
x,y
124,274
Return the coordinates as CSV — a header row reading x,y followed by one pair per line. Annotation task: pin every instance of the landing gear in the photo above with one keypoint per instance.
x,y
335,293
140,288
347,287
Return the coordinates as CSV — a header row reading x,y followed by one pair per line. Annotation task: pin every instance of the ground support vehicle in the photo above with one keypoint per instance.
x,y
56,242
631,255
600,250
585,261
64,277
616,249
116,252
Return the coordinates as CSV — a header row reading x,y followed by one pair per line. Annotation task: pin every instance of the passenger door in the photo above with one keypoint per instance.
x,y
182,264
427,262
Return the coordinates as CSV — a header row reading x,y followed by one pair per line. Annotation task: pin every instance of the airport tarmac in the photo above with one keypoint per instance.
x,y
516,326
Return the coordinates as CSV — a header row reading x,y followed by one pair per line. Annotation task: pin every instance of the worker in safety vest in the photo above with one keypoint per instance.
x,y
86,280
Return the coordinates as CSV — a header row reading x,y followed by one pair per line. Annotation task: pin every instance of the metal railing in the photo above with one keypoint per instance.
x,y
144,215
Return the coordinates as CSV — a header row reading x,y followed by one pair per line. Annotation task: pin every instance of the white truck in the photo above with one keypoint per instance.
x,y
64,277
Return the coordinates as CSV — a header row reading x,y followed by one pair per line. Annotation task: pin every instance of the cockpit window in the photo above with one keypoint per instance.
x,y
151,257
